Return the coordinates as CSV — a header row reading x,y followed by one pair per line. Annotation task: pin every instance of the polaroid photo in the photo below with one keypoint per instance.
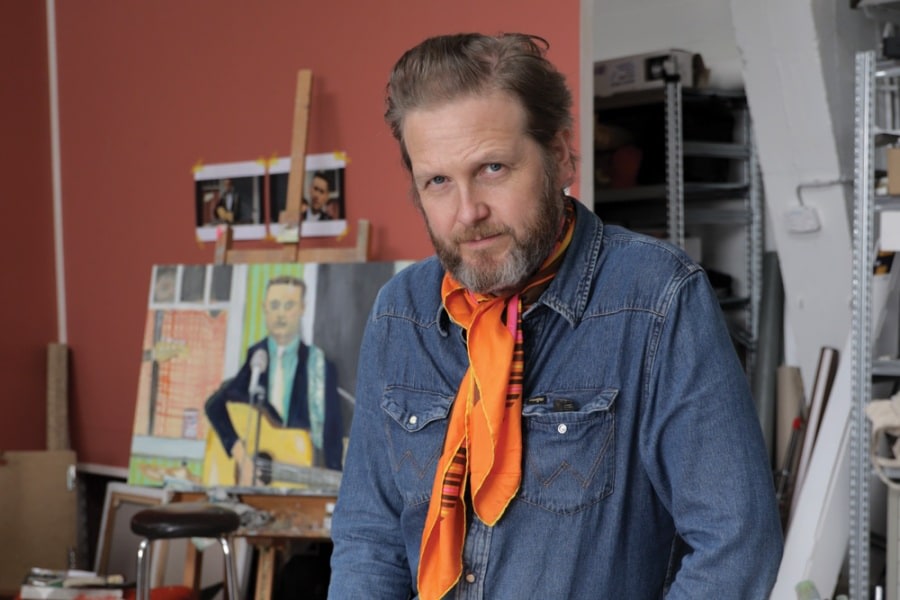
x,y
233,194
323,201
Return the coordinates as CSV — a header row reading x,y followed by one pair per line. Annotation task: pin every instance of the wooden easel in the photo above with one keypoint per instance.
x,y
291,252
309,508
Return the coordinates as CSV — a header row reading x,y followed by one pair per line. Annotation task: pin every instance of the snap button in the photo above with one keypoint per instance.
x,y
413,420
470,577
562,428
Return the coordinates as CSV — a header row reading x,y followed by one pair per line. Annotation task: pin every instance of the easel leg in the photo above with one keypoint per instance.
x,y
265,570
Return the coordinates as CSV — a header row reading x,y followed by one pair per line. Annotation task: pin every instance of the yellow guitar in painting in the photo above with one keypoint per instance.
x,y
279,447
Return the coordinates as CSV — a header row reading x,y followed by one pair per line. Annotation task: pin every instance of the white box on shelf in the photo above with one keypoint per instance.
x,y
648,71
890,230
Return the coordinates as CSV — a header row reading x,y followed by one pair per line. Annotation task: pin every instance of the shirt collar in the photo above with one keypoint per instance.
x,y
569,291
288,350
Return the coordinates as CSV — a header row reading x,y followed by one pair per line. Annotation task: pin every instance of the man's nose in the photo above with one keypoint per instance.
x,y
471,207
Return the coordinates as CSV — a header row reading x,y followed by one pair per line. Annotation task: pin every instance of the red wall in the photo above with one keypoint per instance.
x,y
148,89
27,284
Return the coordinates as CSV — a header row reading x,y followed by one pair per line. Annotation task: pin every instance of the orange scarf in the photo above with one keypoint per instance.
x,y
484,434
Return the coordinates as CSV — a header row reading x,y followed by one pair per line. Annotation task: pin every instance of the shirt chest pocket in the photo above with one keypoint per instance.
x,y
569,449
414,428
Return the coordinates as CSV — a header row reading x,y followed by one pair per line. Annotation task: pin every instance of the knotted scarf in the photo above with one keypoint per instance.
x,y
483,444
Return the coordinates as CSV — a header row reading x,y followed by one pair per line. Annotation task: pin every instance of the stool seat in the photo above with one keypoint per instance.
x,y
185,519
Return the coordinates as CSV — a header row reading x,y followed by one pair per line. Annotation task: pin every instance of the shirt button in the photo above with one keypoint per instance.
x,y
470,577
413,420
562,428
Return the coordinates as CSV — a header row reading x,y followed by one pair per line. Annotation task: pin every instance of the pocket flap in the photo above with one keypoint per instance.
x,y
413,409
561,401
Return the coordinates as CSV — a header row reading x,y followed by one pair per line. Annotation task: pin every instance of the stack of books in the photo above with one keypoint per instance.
x,y
70,585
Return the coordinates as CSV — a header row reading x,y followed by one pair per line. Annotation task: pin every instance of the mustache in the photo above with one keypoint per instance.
x,y
479,232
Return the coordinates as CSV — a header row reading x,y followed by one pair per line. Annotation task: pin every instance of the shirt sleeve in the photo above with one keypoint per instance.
x,y
333,433
369,559
703,449
231,390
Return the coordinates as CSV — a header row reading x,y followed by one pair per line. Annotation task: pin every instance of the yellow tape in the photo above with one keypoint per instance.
x,y
197,166
342,156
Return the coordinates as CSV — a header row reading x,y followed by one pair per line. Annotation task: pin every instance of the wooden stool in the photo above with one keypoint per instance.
x,y
184,520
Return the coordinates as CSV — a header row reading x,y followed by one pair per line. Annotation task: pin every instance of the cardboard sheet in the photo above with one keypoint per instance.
x,y
38,513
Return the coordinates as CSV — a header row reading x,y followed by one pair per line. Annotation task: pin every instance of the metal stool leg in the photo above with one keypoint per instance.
x,y
230,570
143,570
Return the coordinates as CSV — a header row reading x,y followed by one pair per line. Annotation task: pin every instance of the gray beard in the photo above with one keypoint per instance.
x,y
485,276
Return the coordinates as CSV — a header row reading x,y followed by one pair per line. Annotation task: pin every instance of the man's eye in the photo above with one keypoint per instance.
x,y
438,180
494,167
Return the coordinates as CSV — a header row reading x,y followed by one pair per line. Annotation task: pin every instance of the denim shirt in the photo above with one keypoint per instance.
x,y
656,485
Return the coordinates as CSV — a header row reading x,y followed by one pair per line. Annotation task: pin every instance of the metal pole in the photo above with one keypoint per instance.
x,y
674,162
863,259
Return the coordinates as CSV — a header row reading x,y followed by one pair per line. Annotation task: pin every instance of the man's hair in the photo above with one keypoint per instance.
x,y
288,280
448,67
321,175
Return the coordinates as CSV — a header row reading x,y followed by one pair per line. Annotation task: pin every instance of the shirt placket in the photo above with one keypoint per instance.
x,y
475,560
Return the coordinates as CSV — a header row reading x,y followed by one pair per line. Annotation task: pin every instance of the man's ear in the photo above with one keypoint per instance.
x,y
561,146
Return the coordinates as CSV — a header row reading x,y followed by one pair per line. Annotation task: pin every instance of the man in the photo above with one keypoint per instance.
x,y
228,208
551,407
298,384
318,198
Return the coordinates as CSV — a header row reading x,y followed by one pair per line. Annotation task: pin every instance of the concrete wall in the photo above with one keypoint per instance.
x,y
623,27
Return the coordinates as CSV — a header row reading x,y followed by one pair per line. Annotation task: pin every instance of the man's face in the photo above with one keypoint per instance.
x,y
283,309
489,193
318,193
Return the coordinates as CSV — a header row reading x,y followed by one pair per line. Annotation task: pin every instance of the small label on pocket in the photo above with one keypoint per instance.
x,y
537,400
563,405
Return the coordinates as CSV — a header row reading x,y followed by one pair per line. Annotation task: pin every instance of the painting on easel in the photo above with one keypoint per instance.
x,y
248,372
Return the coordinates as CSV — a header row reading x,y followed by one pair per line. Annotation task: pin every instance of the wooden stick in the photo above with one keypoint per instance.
x,y
57,397
223,244
287,253
297,175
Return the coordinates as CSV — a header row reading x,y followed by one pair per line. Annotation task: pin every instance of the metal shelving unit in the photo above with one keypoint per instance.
x,y
702,203
877,101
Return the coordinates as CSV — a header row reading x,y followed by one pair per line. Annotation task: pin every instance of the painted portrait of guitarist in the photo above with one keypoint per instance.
x,y
285,396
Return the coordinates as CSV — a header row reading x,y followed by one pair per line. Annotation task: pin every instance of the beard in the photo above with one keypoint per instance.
x,y
485,273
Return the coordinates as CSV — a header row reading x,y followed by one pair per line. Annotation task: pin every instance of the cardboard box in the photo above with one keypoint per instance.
x,y
893,171
648,71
